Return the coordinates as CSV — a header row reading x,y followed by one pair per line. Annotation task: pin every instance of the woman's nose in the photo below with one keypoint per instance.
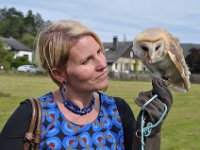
x,y
101,63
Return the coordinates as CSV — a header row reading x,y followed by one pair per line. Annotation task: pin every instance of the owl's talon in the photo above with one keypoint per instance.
x,y
167,82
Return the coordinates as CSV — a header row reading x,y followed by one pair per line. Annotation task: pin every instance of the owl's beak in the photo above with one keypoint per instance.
x,y
148,57
146,53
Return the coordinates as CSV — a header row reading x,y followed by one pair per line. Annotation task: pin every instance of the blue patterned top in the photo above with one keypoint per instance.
x,y
104,133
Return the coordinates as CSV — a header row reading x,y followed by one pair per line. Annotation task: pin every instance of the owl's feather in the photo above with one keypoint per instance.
x,y
179,61
161,52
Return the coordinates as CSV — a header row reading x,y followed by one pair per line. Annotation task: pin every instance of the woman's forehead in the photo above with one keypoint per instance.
x,y
84,46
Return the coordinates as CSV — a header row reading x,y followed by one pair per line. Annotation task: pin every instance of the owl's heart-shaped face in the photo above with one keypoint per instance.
x,y
150,51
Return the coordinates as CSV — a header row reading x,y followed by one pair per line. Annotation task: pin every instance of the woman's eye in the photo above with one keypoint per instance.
x,y
99,51
85,62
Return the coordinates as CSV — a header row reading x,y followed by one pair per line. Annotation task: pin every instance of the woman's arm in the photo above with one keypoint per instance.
x,y
12,135
153,112
128,122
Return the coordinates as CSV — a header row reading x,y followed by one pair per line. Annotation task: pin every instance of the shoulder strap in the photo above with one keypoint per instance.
x,y
29,135
34,131
38,126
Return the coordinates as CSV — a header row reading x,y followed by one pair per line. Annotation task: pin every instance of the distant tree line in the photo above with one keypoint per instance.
x,y
14,23
24,28
193,60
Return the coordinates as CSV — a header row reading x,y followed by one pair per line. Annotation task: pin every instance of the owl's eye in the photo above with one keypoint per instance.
x,y
157,47
144,48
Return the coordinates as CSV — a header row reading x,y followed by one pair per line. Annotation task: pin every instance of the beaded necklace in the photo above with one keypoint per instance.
x,y
74,108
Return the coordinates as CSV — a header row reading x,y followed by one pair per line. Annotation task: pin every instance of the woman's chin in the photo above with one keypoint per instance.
x,y
103,86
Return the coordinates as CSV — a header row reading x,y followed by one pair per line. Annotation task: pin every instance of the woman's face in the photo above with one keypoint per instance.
x,y
87,66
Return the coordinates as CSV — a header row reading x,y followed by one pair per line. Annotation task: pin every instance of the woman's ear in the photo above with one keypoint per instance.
x,y
58,75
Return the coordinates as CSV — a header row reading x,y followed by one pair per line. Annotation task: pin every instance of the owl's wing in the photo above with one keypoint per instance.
x,y
176,55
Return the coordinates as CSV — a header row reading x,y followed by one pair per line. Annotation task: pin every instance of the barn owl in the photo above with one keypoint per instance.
x,y
161,52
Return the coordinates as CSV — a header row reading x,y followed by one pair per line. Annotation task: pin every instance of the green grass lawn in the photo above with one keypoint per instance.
x,y
181,130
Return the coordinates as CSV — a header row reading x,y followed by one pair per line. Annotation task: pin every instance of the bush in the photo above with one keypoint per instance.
x,y
20,60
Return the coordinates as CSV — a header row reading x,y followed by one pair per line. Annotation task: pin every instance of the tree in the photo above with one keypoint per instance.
x,y
136,69
11,23
28,40
20,60
193,60
14,23
33,23
29,23
6,56
39,22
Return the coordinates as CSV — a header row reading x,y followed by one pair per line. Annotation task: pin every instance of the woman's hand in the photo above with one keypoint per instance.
x,y
154,110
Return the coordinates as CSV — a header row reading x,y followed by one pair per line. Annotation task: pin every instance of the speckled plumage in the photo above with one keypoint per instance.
x,y
161,52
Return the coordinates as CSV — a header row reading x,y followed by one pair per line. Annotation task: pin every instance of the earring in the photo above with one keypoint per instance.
x,y
64,86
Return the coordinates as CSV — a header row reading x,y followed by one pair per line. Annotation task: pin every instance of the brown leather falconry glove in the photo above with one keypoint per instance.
x,y
153,111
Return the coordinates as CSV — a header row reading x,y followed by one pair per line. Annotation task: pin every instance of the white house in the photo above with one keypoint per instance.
x,y
17,48
120,56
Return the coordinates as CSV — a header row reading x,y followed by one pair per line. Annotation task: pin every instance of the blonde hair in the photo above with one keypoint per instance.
x,y
55,41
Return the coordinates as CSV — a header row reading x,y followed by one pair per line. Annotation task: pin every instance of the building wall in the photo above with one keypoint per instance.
x,y
24,53
125,65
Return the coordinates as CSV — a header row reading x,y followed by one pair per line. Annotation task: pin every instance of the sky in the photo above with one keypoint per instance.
x,y
121,18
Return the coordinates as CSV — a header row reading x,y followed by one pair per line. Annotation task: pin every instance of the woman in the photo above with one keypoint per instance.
x,y
78,115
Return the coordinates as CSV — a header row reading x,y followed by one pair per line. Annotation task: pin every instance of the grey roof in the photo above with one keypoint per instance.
x,y
112,54
15,45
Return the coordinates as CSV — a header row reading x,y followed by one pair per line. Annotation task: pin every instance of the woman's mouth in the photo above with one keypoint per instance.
x,y
103,75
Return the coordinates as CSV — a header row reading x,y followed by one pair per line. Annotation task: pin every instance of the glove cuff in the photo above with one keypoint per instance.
x,y
153,142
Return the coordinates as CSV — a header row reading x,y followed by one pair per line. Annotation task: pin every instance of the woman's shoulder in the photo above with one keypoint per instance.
x,y
122,105
47,101
117,100
46,96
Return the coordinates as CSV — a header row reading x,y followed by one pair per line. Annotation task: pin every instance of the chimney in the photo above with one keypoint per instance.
x,y
115,42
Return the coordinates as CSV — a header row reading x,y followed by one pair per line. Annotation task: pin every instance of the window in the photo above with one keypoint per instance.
x,y
116,66
131,54
126,66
